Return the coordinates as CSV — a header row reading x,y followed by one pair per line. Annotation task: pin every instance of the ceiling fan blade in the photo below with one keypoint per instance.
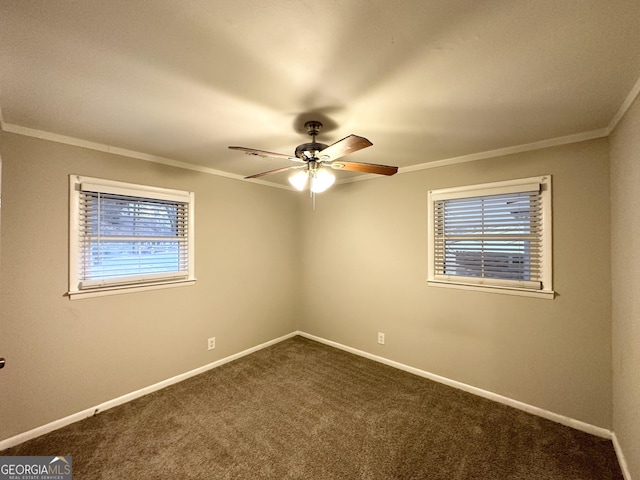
x,y
277,170
343,147
263,153
364,167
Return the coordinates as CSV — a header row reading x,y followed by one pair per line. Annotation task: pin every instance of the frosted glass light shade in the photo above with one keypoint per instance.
x,y
322,180
299,180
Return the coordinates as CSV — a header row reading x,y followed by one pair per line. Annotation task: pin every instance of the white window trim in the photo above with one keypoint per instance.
x,y
494,189
79,183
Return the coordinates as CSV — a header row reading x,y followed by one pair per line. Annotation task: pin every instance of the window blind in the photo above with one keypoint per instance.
x,y
125,239
493,239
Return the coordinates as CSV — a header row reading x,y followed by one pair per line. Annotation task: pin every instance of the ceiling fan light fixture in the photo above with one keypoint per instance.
x,y
315,155
299,179
321,181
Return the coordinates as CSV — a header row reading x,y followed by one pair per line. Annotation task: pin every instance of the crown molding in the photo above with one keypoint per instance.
x,y
77,142
553,142
473,157
526,147
633,94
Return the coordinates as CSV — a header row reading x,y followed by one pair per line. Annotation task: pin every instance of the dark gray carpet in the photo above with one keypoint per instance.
x,y
300,409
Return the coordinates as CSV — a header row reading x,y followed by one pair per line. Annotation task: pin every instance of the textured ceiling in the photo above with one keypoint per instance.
x,y
424,80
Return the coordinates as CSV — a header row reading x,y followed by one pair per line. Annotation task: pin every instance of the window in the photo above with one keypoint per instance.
x,y
124,236
493,236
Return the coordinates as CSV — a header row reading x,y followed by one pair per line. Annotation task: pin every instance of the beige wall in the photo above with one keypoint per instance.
x,y
625,243
65,356
365,264
267,265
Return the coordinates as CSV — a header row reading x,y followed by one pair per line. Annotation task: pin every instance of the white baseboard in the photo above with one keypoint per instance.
x,y
540,412
621,458
63,422
570,422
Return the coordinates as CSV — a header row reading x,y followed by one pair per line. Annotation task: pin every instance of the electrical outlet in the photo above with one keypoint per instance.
x,y
381,338
211,343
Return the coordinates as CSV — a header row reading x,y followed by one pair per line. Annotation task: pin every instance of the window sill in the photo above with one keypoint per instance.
x,y
523,292
118,290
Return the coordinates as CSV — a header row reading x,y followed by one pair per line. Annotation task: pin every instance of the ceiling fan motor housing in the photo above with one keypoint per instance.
x,y
307,151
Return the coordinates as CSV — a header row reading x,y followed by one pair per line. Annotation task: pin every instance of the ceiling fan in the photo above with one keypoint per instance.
x,y
313,156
